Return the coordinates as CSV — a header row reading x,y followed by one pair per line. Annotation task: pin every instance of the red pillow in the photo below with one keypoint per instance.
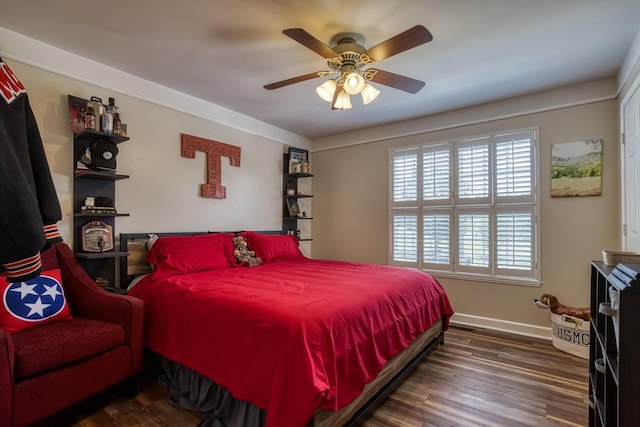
x,y
32,303
271,247
190,254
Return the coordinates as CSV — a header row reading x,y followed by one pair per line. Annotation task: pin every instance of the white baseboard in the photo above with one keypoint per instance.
x,y
468,320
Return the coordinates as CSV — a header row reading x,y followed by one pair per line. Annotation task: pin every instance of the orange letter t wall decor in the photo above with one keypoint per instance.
x,y
214,150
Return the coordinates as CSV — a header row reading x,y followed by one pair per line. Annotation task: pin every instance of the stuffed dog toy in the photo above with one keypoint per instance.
x,y
551,302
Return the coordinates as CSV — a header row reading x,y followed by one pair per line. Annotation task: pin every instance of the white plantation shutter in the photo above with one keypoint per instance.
x,y
473,240
514,167
514,248
468,207
405,238
436,231
436,167
473,171
405,177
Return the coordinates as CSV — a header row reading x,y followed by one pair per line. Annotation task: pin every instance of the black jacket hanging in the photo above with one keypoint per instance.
x,y
29,206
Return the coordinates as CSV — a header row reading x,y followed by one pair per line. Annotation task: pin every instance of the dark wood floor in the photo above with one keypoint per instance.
x,y
477,378
484,378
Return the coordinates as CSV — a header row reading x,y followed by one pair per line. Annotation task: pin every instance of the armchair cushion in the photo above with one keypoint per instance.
x,y
61,343
34,302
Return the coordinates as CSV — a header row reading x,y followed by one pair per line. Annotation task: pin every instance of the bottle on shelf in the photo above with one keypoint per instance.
x,y
98,110
117,122
90,117
107,117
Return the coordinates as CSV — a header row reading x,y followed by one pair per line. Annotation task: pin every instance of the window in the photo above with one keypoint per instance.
x,y
467,208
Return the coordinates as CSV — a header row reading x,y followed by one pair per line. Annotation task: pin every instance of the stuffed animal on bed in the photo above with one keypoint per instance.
x,y
242,253
551,302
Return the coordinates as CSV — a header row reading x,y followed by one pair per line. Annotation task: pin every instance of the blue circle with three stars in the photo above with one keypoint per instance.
x,y
34,300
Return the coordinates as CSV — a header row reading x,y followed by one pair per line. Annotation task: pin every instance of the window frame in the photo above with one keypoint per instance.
x,y
494,205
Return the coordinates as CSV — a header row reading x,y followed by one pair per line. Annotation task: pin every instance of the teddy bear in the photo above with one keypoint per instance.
x,y
551,302
242,253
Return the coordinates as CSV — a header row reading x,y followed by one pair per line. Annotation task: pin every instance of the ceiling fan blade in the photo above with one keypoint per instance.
x,y
307,40
294,80
396,81
399,43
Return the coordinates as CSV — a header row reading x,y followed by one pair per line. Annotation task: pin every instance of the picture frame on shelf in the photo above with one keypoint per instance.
x,y
77,108
97,236
297,157
294,209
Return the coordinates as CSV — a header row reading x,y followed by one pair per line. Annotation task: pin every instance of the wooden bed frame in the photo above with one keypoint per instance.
x,y
374,393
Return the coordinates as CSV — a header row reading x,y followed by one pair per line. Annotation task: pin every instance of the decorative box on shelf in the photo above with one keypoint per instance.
x,y
615,257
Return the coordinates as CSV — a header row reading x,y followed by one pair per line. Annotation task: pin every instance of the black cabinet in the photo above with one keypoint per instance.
x,y
294,206
614,354
101,266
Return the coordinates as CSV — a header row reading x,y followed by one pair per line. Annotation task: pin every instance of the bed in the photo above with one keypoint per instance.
x,y
291,342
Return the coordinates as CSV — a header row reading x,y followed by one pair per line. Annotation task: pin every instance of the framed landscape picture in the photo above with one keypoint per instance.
x,y
576,169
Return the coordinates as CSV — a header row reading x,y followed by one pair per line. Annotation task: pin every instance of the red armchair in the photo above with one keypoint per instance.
x,y
47,368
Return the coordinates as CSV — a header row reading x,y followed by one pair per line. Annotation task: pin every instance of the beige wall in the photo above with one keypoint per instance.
x,y
163,191
351,210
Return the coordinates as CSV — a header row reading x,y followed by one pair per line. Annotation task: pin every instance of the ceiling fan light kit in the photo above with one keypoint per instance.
x,y
326,90
353,83
343,101
369,93
348,58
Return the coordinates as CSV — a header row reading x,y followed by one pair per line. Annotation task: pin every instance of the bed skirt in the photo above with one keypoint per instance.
x,y
218,408
195,392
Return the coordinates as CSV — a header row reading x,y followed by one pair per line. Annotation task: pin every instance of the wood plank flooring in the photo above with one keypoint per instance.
x,y
484,378
477,378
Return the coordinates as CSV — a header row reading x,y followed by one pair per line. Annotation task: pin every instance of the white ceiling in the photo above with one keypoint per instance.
x,y
224,51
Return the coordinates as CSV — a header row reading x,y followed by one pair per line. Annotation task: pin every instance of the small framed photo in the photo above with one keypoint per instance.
x,y
297,156
294,209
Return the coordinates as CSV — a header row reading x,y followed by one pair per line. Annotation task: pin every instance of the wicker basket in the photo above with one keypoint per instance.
x,y
615,257
570,334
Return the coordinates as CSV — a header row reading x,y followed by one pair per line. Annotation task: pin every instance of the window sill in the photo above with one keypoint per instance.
x,y
500,280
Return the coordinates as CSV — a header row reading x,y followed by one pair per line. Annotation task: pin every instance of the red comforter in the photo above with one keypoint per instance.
x,y
293,335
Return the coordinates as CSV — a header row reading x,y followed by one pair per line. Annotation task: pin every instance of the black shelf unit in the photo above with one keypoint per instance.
x,y
98,255
107,176
98,215
614,361
95,183
290,185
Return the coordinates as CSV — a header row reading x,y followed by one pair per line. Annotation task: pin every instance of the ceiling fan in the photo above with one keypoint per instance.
x,y
348,58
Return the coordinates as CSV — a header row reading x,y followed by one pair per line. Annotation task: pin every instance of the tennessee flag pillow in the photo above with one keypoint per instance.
x,y
32,303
